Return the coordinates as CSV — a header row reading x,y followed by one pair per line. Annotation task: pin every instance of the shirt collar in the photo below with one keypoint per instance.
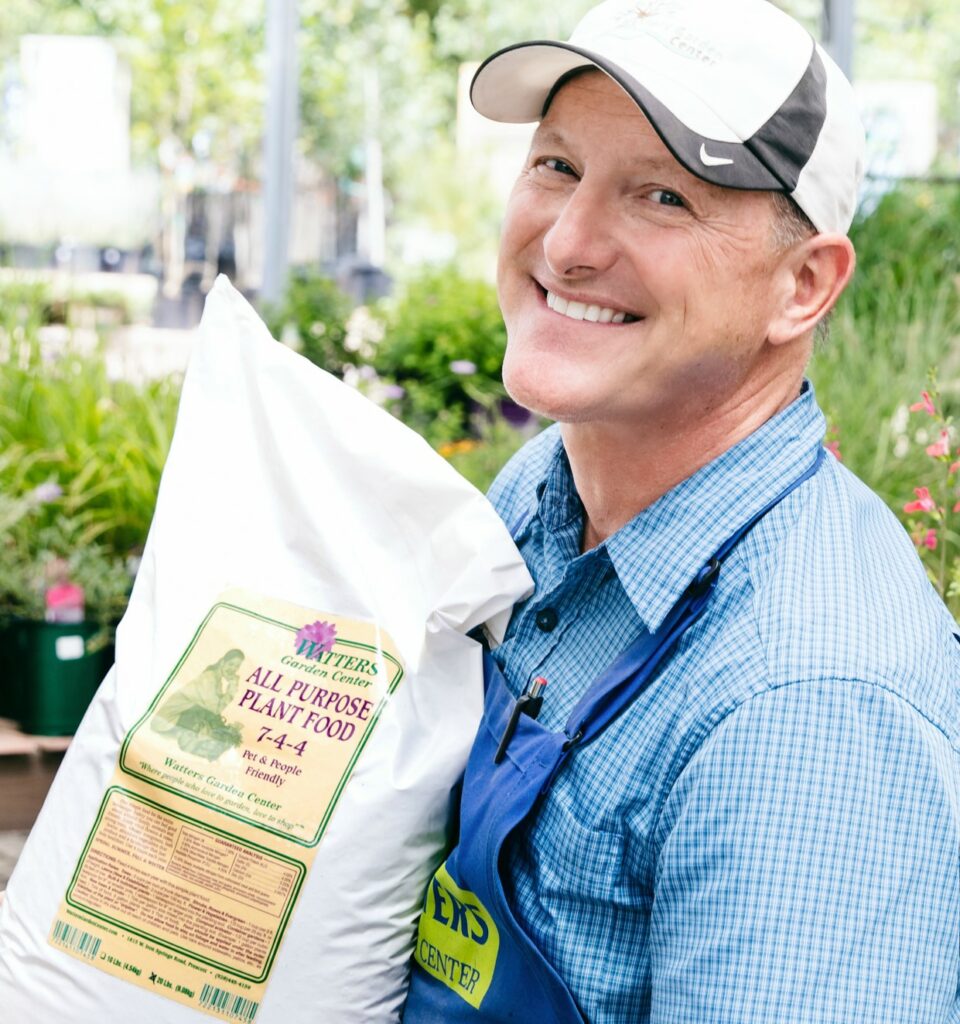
x,y
659,552
559,503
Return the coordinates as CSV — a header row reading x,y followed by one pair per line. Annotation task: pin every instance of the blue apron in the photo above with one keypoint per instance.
x,y
472,961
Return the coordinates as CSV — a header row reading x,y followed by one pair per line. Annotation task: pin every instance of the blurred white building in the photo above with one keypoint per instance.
x,y
66,170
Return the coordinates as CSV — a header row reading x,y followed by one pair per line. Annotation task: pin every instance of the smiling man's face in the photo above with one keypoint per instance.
x,y
632,291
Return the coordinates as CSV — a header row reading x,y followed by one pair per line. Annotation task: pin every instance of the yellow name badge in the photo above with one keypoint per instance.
x,y
457,940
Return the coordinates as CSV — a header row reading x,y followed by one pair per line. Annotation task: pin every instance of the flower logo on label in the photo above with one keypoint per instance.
x,y
315,638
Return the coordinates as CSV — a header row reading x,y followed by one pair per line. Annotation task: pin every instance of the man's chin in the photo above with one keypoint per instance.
x,y
553,403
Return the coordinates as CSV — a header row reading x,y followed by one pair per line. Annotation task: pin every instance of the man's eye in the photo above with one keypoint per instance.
x,y
666,198
553,164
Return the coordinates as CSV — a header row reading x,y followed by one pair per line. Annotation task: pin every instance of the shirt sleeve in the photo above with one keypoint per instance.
x,y
808,868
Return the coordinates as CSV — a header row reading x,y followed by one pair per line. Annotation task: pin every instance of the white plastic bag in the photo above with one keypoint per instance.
x,y
247,819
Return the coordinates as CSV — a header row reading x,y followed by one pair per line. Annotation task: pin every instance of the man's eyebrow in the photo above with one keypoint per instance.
x,y
548,136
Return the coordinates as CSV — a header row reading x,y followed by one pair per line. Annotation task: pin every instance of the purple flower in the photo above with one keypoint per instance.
x,y
315,638
42,494
393,391
463,367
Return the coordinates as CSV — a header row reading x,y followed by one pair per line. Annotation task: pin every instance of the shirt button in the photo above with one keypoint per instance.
x,y
547,619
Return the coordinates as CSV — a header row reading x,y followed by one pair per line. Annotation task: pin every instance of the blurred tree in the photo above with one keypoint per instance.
x,y
427,7
197,66
198,73
341,41
468,30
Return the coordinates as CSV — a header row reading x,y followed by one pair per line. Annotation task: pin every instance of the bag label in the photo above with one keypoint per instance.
x,y
222,791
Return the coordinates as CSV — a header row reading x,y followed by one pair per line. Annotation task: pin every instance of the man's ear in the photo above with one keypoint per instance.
x,y
815,271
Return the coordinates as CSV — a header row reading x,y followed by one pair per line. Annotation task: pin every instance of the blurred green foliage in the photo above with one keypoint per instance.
x,y
63,420
437,352
899,317
31,304
317,310
480,459
908,247
33,557
443,343
81,463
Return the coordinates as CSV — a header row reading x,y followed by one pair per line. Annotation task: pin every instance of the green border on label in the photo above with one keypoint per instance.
x,y
348,770
199,958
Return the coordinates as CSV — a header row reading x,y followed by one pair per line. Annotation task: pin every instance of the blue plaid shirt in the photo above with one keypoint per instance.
x,y
771,833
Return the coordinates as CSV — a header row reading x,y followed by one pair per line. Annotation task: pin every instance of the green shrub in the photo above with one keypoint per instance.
x,y
29,304
24,306
33,557
443,344
899,317
905,248
104,442
318,311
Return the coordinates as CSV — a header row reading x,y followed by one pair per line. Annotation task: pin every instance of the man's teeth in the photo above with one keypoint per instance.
x,y
581,311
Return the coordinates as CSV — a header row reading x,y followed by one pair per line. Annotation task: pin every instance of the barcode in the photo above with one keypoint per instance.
x,y
226,1002
72,938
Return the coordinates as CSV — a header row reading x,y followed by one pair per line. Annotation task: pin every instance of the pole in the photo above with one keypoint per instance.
x,y
279,139
836,24
373,236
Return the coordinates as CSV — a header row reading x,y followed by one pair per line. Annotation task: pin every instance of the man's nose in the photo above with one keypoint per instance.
x,y
581,241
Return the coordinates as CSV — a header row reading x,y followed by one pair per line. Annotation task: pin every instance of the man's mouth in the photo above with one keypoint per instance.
x,y
584,311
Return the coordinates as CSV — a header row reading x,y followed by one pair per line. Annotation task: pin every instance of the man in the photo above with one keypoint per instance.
x,y
739,800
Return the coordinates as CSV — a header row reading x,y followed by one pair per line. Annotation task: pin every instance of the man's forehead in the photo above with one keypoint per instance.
x,y
581,102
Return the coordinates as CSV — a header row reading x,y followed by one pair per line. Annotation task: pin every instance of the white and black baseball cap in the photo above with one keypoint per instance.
x,y
739,92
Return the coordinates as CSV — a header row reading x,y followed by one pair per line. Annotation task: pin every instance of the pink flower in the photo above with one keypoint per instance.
x,y
956,508
924,405
954,466
925,539
315,638
940,447
832,441
924,503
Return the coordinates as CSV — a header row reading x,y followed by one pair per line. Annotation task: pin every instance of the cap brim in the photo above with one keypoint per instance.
x,y
513,84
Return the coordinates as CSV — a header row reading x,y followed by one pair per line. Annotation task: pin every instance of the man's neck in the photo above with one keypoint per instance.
x,y
622,468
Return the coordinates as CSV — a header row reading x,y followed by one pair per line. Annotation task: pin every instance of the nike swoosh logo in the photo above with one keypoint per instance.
x,y
712,161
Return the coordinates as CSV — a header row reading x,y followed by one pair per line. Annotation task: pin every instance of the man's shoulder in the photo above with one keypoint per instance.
x,y
839,593
514,491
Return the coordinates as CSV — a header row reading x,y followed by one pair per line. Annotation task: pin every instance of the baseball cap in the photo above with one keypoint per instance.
x,y
738,91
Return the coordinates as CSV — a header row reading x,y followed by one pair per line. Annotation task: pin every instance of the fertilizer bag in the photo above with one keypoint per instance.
x,y
246,821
